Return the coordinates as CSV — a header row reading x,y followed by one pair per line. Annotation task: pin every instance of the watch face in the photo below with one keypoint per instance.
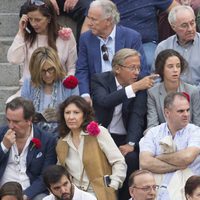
x,y
131,143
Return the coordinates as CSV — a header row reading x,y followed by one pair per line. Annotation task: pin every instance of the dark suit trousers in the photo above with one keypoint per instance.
x,y
132,161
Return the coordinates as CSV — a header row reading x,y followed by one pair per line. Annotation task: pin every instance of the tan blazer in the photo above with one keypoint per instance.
x,y
95,163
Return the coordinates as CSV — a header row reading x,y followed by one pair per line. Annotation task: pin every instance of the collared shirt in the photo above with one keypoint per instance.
x,y
116,125
190,52
184,138
110,44
16,166
78,195
74,162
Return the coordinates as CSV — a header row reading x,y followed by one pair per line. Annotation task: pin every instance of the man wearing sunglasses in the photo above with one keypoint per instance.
x,y
142,185
98,45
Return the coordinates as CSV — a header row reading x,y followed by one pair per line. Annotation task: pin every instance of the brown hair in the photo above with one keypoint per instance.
x,y
83,105
191,185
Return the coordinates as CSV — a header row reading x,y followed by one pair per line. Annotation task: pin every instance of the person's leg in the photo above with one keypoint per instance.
x,y
149,50
39,196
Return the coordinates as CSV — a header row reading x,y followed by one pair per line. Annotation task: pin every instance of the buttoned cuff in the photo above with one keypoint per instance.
x,y
114,184
129,92
5,150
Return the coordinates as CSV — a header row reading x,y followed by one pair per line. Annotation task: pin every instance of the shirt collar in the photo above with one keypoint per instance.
x,y
188,43
110,37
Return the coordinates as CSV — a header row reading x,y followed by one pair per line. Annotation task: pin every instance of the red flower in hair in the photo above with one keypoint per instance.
x,y
187,96
70,82
93,128
36,143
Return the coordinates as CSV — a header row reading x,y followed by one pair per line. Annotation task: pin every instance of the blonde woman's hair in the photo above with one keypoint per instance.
x,y
38,59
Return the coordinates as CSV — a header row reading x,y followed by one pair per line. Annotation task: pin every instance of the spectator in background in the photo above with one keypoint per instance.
x,y
120,106
88,151
142,185
98,45
171,150
141,15
38,27
11,191
59,183
192,188
186,41
170,65
46,87
75,9
25,150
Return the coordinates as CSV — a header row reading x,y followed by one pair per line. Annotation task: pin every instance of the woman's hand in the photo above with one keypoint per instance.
x,y
55,5
50,115
69,5
23,23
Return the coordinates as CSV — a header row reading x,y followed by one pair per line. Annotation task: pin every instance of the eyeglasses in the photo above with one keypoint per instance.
x,y
37,2
132,68
50,70
147,188
104,50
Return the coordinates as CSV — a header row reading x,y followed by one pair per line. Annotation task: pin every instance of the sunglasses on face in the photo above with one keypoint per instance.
x,y
104,51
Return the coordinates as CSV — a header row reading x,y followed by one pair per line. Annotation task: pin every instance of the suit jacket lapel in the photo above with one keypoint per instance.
x,y
119,39
112,83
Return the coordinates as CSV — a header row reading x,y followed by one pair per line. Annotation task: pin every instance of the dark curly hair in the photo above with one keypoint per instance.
x,y
161,60
83,105
48,11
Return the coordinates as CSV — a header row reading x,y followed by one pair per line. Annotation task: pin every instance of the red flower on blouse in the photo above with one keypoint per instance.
x,y
187,96
70,82
93,128
36,143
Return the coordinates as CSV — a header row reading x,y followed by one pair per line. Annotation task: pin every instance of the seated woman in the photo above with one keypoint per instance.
x,y
11,191
88,151
192,188
170,65
45,87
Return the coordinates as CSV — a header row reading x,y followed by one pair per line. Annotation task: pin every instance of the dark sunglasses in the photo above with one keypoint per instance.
x,y
104,50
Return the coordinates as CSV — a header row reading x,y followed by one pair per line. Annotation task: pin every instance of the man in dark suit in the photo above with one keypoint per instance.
x,y
98,45
119,102
25,151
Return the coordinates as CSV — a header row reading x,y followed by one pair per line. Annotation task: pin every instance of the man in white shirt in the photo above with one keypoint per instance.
x,y
142,185
58,181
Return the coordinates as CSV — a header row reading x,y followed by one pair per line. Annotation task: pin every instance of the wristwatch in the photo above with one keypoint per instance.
x,y
131,144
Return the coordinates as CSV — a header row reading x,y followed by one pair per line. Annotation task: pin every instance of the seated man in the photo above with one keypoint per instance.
x,y
59,183
98,45
25,150
116,108
171,150
142,185
186,41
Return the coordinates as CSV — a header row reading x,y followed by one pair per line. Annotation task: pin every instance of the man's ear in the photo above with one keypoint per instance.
x,y
173,27
166,112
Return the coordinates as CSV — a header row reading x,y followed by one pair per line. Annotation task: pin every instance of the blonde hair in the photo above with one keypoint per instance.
x,y
38,59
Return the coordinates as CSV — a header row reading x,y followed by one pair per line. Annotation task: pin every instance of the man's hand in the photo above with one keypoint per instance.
x,y
69,5
9,138
88,99
145,83
55,5
126,149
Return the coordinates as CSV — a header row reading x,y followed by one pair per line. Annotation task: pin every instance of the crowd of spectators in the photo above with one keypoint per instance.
x,y
119,120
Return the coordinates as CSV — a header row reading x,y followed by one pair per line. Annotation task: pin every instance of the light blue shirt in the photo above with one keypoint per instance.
x,y
186,137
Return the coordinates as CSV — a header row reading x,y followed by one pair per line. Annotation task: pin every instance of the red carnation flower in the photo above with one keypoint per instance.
x,y
65,33
187,96
36,143
70,82
93,128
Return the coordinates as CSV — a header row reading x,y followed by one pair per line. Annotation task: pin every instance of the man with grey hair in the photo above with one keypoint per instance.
x,y
171,150
98,45
119,102
186,41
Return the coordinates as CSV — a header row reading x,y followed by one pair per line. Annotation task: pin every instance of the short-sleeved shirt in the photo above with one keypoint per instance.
x,y
141,15
186,137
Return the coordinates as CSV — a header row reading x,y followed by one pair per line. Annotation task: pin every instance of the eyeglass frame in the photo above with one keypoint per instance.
x,y
50,70
105,54
147,188
131,68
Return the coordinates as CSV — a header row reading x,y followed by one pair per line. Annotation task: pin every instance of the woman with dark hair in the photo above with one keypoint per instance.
x,y
46,87
170,65
38,27
192,188
88,151
11,191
